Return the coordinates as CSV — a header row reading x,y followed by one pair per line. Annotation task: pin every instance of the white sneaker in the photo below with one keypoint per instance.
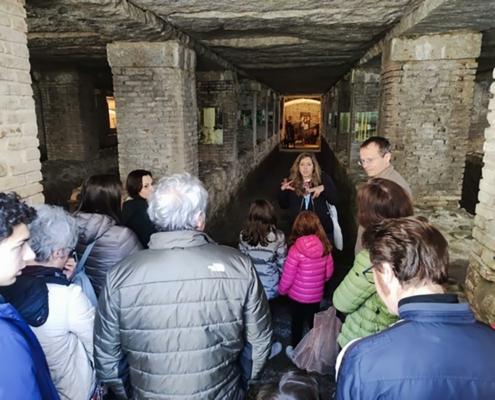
x,y
276,348
289,351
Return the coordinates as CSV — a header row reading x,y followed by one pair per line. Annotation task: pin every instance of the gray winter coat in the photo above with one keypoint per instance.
x,y
113,243
174,321
268,260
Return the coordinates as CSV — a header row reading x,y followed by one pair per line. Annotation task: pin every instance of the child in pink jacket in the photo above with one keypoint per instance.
x,y
308,266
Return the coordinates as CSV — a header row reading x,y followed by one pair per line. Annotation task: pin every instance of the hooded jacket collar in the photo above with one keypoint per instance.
x,y
47,274
178,239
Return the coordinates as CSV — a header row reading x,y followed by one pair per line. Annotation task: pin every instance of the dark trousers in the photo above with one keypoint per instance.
x,y
301,313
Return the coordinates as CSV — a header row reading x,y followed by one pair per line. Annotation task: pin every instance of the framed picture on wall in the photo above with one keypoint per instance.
x,y
211,126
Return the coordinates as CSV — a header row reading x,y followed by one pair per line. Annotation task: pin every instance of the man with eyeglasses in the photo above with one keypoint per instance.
x,y
437,350
374,157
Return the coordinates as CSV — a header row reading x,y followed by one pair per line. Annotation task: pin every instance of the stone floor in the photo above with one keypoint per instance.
x,y
455,224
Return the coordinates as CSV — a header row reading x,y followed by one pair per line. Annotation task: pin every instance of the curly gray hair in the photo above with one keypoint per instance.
x,y
53,229
178,203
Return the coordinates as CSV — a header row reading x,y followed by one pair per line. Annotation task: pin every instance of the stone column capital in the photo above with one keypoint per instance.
x,y
449,46
169,54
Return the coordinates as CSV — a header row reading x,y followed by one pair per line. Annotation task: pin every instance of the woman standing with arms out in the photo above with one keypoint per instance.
x,y
309,188
99,219
356,295
139,187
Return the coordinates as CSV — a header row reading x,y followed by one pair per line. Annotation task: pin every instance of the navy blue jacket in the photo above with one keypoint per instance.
x,y
437,351
24,373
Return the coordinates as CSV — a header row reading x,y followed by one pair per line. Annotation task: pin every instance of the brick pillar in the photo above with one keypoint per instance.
x,y
365,93
268,97
67,105
480,280
255,120
426,97
261,115
155,96
247,104
220,89
19,155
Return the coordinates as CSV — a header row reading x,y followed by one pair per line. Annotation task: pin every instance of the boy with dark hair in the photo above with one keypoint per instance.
x,y
23,370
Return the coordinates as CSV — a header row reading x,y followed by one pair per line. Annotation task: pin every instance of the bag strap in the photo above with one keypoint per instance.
x,y
82,261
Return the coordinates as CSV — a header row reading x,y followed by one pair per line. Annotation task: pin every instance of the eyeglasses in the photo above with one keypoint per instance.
x,y
369,160
364,161
368,274
73,254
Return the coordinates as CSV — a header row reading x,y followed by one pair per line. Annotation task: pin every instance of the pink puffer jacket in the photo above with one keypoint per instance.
x,y
305,270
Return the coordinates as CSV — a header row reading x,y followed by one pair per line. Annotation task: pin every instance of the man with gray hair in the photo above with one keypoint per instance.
x,y
175,321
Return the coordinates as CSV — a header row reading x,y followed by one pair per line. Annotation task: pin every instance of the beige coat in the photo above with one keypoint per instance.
x,y
67,340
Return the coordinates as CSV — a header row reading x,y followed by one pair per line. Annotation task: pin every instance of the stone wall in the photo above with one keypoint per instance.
x,y
479,112
221,91
261,116
426,95
155,95
61,177
223,182
246,137
68,116
19,154
480,281
364,97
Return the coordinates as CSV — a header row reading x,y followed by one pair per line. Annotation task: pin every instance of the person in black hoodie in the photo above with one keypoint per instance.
x,y
139,186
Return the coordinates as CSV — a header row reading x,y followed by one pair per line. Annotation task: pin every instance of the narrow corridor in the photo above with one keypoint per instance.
x,y
264,182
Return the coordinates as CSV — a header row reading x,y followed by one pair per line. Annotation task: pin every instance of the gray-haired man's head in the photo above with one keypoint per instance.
x,y
178,203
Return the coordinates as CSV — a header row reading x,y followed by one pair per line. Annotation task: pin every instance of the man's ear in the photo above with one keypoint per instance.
x,y
388,275
200,222
387,157
59,253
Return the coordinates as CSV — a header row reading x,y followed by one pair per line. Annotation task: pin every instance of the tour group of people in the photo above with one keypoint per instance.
x,y
133,300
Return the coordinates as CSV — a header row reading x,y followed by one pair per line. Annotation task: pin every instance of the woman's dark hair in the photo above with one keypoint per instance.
x,y
102,194
134,182
294,385
381,198
261,221
308,223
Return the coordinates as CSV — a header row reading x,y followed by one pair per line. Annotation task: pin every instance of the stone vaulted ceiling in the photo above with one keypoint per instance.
x,y
293,46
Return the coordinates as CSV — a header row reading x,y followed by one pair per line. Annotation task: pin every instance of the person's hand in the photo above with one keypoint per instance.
x,y
316,190
286,185
69,268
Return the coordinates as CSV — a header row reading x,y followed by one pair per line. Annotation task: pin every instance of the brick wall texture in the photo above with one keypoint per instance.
x,y
19,155
480,280
221,91
425,112
66,103
478,113
155,96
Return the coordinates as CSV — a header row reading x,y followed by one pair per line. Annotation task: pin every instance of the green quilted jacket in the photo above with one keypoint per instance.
x,y
357,297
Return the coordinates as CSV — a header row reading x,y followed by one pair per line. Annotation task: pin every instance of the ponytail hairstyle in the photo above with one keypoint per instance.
x,y
261,221
308,223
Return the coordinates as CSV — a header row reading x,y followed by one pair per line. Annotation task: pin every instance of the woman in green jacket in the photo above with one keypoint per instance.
x,y
356,296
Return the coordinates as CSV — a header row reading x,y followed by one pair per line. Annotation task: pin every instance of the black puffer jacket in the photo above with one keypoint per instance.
x,y
113,243
175,320
135,216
